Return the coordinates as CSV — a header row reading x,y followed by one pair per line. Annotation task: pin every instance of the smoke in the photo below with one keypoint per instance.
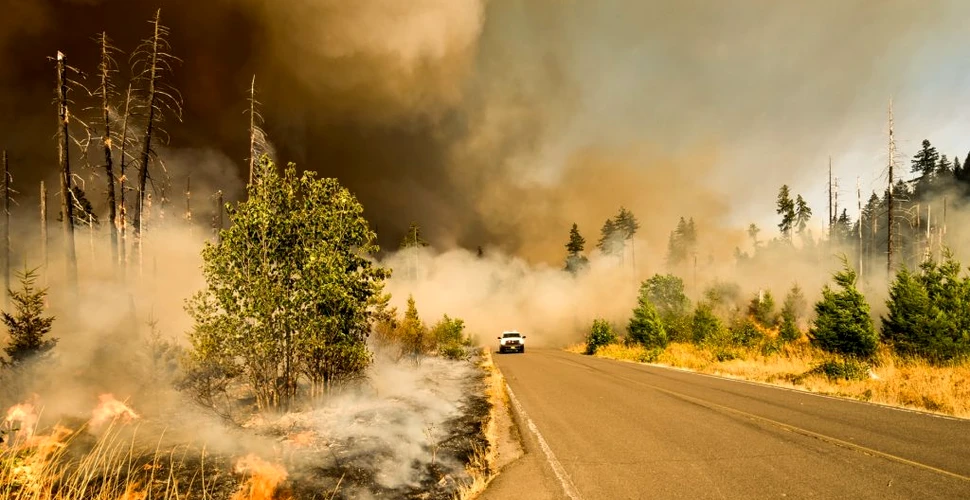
x,y
474,117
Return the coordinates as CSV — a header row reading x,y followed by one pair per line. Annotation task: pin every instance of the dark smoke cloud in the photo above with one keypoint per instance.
x,y
500,123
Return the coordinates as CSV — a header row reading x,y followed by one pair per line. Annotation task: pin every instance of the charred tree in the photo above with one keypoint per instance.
x,y
257,137
188,198
104,70
63,154
157,61
217,218
889,197
123,184
5,234
43,226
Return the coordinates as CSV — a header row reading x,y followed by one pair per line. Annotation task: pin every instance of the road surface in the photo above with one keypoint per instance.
x,y
596,428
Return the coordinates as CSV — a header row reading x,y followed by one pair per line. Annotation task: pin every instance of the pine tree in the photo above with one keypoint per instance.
x,y
842,323
413,237
645,327
786,209
944,168
414,334
575,260
28,328
610,242
791,312
762,309
803,213
753,231
925,163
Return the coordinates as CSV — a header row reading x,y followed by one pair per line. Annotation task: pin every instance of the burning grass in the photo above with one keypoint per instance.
x,y
888,380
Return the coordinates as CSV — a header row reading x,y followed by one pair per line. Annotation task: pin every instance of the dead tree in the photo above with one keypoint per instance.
x,y
217,218
156,61
188,198
63,154
5,235
258,145
123,183
105,68
43,226
889,196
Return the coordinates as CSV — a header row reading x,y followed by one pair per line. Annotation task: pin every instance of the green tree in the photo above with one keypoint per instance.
x,y
842,322
791,312
290,288
753,231
682,242
762,309
611,239
786,209
626,224
448,335
927,312
666,293
706,325
803,214
925,163
645,327
575,260
27,327
600,334
413,238
414,334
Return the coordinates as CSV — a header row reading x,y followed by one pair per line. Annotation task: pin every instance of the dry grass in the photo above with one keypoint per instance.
x,y
482,465
109,462
892,381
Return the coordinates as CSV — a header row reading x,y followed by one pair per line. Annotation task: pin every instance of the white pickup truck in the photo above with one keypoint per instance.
x,y
511,341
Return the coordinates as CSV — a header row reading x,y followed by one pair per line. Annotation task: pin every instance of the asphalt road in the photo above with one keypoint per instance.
x,y
597,428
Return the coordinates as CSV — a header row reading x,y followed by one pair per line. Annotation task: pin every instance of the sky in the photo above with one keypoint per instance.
x,y
499,123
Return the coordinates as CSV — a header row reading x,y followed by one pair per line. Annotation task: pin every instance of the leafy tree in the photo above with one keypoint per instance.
x,y
666,293
28,328
600,334
762,309
927,312
791,312
290,288
842,322
449,338
645,327
786,209
575,260
802,214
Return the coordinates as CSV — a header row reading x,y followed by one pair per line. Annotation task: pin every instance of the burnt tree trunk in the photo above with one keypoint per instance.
x,y
106,142
63,145
43,226
149,128
122,186
5,234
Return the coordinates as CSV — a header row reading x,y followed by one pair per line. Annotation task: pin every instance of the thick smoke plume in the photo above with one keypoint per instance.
x,y
473,118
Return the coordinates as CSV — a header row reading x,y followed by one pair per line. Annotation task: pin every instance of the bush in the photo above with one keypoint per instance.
x,y
844,369
762,308
449,338
744,332
793,309
842,323
927,313
599,335
646,328
707,326
666,293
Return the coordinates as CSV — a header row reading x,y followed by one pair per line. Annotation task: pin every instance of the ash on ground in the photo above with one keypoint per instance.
x,y
406,432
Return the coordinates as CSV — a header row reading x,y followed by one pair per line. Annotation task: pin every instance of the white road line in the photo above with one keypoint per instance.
x,y
567,484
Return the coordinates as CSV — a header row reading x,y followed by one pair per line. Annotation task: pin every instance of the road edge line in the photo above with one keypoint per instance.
x,y
567,484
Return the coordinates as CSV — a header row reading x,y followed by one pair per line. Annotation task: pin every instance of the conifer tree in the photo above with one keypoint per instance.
x,y
27,327
842,323
803,213
575,260
791,312
610,242
786,209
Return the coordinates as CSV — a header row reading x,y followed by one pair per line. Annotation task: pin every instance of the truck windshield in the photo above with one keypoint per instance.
x,y
507,335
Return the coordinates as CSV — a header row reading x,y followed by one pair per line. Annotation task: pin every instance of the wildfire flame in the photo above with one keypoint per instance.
x,y
39,453
25,415
264,477
110,409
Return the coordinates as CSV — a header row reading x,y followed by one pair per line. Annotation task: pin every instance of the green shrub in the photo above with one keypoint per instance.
x,y
762,308
844,369
600,334
646,327
744,332
707,326
666,293
842,322
792,310
449,338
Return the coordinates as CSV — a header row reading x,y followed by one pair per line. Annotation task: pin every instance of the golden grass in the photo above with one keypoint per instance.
x,y
893,381
481,468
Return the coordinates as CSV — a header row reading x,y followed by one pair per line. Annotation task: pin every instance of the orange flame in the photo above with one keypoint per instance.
x,y
134,492
110,409
40,452
263,480
25,415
